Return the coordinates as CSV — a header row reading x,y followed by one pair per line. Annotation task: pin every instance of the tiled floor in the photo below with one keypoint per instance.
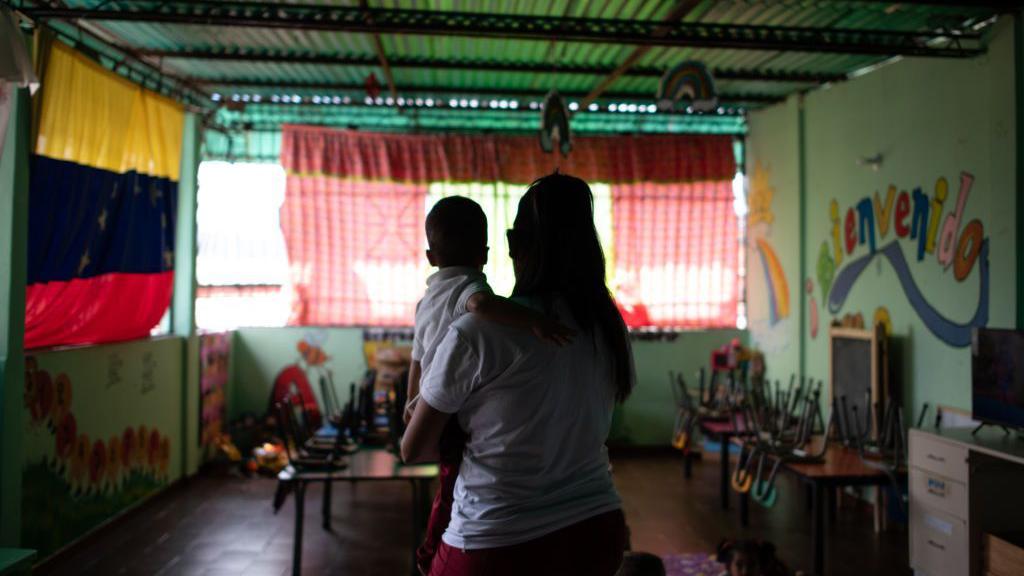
x,y
668,514
223,525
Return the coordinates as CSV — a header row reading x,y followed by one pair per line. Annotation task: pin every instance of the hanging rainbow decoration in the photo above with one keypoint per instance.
x,y
555,124
690,81
775,279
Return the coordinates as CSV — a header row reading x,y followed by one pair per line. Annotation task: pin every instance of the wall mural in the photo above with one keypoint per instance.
x,y
214,354
916,222
295,378
883,318
77,475
775,280
767,316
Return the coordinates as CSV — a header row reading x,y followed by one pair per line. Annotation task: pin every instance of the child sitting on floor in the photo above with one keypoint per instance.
x,y
750,558
457,239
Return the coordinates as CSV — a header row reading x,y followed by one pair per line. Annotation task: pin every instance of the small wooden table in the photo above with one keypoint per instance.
x,y
368,464
839,468
725,432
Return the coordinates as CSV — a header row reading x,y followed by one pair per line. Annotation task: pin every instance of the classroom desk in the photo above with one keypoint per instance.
x,y
841,467
368,464
725,432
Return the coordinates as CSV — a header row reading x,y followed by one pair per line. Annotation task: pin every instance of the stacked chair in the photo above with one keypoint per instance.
x,y
783,422
310,456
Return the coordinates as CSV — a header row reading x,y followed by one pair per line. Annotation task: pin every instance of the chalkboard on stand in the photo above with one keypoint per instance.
x,y
858,372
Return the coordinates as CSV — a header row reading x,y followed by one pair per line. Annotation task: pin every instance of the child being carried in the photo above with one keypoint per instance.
x,y
457,239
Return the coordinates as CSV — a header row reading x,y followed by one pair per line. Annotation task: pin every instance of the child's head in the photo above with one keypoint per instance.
x,y
641,564
749,558
456,233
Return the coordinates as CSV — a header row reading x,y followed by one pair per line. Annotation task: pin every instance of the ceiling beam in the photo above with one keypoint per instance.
x,y
397,62
555,50
533,27
378,49
385,66
307,105
284,86
681,9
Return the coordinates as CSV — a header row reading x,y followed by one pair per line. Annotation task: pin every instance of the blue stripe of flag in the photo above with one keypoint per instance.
x,y
85,221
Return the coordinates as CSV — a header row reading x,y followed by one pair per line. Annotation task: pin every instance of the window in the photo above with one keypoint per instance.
x,y
241,265
500,201
351,252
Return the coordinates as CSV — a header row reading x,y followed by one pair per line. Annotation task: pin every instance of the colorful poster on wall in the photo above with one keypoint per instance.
x,y
908,230
102,432
214,354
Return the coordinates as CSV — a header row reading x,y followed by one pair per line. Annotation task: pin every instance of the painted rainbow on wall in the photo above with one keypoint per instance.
x,y
690,80
775,279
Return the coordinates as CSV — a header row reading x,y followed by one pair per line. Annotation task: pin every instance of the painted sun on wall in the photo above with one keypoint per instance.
x,y
760,219
929,228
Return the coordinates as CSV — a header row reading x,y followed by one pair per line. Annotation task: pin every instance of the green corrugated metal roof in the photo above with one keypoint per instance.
x,y
333,80
261,140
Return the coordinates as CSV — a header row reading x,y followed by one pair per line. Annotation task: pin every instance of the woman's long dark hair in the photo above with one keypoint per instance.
x,y
557,252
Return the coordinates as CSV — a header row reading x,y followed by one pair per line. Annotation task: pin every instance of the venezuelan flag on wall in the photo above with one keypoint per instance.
x,y
102,206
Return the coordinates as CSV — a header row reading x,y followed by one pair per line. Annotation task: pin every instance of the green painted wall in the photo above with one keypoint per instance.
x,y
259,354
929,119
184,296
73,479
772,197
647,417
13,243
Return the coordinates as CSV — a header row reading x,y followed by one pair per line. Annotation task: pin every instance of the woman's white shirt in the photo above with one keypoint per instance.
x,y
537,416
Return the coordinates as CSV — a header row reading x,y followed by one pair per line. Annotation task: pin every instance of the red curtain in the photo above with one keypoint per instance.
x,y
355,248
515,159
676,254
354,209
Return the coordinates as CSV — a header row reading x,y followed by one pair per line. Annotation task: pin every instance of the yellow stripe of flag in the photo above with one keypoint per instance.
x,y
93,117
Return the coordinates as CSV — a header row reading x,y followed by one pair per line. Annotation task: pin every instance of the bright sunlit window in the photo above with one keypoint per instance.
x,y
739,194
672,250
242,263
500,201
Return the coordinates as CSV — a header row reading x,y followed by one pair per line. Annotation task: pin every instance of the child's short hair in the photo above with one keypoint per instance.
x,y
641,564
759,555
457,231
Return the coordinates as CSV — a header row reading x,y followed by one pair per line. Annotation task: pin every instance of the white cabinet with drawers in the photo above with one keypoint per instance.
x,y
938,506
962,487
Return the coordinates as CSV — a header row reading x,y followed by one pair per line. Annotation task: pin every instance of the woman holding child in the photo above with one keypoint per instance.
x,y
534,495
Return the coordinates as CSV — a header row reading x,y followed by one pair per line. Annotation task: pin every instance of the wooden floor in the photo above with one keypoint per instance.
x,y
215,525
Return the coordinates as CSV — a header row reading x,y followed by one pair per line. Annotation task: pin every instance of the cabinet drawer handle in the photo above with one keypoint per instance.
x,y
936,458
935,544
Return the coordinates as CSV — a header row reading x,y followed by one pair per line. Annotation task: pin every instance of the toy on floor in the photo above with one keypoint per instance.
x,y
226,449
270,458
641,564
750,558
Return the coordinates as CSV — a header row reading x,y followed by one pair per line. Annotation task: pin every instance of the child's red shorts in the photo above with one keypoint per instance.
x,y
453,442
